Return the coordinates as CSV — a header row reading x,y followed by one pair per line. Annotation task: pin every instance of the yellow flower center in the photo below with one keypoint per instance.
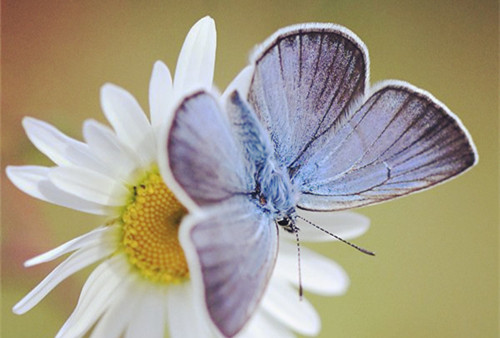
x,y
150,231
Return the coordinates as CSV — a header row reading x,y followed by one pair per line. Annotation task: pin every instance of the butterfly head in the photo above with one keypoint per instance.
x,y
287,223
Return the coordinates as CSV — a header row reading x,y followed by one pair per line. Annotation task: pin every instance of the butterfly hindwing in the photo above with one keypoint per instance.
x,y
235,246
401,140
253,139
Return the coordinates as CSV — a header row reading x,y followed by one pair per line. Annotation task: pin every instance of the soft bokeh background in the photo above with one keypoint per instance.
x,y
436,269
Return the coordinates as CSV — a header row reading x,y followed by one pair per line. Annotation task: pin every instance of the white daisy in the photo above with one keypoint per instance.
x,y
142,286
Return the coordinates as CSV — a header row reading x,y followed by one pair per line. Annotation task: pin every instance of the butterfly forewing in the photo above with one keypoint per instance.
x,y
401,140
305,80
204,157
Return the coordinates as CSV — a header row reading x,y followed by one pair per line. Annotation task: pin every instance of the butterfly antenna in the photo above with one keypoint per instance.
x,y
298,259
337,237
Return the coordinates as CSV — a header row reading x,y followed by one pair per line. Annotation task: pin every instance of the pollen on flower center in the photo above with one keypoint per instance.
x,y
150,231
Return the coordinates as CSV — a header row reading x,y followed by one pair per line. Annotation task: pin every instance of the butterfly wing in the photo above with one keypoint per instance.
x,y
341,149
235,245
204,156
401,140
230,242
305,79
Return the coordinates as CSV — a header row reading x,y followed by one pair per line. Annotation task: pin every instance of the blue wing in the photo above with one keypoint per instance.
x,y
305,80
253,139
235,245
342,149
230,241
401,140
204,156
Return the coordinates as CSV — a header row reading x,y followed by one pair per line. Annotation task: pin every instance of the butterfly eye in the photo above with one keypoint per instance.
x,y
287,224
283,222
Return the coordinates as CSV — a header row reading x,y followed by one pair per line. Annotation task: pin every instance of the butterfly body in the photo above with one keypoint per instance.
x,y
276,197
274,190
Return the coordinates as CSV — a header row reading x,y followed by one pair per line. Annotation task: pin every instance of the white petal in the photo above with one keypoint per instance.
x,y
77,261
195,66
241,83
282,302
27,179
33,180
57,196
97,294
129,121
150,317
60,148
106,146
160,93
344,224
319,274
49,140
89,185
120,312
92,238
185,319
263,325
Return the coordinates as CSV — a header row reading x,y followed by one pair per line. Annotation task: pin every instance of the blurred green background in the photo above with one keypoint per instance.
x,y
436,269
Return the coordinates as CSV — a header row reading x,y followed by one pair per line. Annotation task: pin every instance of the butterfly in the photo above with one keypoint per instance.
x,y
305,131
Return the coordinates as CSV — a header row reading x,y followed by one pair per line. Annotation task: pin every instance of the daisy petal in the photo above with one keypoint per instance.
x,y
89,239
149,320
129,121
319,274
160,93
33,180
241,83
282,302
27,179
89,185
195,66
180,308
59,197
264,326
49,140
120,312
60,148
106,146
77,261
341,223
97,294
